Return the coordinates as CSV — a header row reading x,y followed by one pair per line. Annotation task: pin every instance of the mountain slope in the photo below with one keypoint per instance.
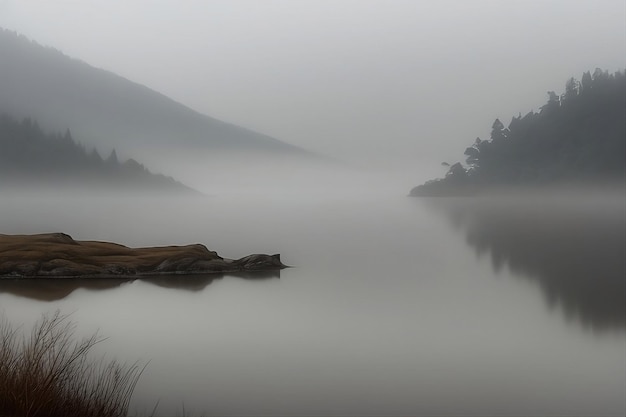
x,y
107,110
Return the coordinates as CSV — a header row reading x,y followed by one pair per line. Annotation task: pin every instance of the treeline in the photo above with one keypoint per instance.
x,y
577,137
28,156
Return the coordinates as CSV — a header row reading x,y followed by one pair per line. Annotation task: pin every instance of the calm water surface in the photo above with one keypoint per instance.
x,y
394,306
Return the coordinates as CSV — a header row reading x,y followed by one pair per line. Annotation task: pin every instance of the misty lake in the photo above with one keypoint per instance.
x,y
394,305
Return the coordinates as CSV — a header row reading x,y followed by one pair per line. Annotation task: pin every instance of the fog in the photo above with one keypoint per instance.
x,y
298,177
401,84
300,127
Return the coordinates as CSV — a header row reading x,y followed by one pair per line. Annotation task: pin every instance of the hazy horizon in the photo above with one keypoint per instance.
x,y
397,85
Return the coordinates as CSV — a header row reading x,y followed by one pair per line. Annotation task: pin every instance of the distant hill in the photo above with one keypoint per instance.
x,y
107,110
30,157
578,137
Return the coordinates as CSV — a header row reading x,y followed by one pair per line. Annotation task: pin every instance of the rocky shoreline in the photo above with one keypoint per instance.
x,y
58,255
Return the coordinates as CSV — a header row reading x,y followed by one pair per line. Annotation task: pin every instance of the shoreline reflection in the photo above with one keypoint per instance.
x,y
46,289
573,249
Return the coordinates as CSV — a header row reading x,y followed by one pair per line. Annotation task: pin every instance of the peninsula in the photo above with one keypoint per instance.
x,y
58,255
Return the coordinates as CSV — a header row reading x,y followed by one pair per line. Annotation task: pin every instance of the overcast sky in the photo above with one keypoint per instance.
x,y
358,79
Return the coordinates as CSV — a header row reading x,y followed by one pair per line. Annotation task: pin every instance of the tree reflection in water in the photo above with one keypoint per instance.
x,y
574,248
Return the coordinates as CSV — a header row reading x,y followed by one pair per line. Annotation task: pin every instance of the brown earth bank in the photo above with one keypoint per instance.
x,y
57,255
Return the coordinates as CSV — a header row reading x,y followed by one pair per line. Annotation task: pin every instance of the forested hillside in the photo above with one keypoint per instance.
x,y
578,137
30,157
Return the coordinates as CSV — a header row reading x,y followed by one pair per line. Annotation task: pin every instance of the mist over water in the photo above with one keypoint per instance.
x,y
394,305
312,176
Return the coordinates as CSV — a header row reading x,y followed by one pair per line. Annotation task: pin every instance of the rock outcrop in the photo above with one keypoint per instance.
x,y
57,255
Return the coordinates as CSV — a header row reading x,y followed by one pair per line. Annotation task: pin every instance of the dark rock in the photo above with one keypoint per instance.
x,y
259,261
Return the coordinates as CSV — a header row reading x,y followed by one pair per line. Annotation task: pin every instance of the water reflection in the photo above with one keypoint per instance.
x,y
57,289
200,282
575,250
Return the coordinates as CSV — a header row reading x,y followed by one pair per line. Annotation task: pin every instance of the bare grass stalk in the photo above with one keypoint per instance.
x,y
48,373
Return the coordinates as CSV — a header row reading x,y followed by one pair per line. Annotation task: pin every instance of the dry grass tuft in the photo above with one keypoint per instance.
x,y
48,374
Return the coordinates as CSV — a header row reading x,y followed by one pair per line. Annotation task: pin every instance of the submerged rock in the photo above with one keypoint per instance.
x,y
57,255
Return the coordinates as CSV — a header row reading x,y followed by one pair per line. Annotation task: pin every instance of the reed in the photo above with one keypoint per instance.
x,y
49,373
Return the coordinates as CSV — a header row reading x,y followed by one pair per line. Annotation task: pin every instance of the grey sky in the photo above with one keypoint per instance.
x,y
358,79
